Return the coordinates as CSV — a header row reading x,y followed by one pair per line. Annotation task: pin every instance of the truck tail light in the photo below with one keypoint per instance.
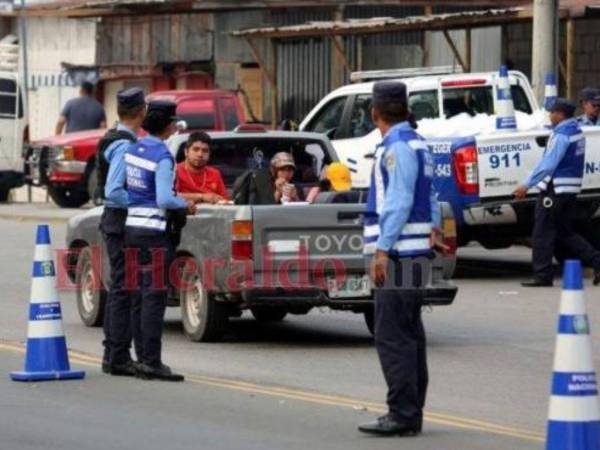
x,y
449,236
465,169
241,241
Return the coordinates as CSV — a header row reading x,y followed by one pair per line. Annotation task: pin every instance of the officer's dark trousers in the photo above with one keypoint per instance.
x,y
400,337
120,302
555,224
154,253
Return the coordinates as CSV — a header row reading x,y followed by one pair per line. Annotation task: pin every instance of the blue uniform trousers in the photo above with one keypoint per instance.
x,y
400,337
554,215
112,226
152,285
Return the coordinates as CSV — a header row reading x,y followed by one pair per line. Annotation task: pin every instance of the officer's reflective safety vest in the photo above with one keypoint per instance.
x,y
584,120
414,239
568,176
142,160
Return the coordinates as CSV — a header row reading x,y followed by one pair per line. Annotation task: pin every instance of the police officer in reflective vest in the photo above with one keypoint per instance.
x,y
558,177
150,188
401,216
110,166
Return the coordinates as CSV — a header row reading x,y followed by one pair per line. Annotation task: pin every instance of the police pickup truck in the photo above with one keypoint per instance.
x,y
476,173
271,259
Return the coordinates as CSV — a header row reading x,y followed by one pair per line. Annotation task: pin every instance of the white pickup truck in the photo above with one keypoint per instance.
x,y
476,168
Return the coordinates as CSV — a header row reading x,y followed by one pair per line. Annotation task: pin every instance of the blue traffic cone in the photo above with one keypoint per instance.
x,y
550,91
505,113
550,95
574,417
46,357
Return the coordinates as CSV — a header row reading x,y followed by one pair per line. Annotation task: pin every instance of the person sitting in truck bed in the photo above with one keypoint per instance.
x,y
269,185
195,180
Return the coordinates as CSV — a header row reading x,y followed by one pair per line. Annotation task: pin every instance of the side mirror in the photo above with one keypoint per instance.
x,y
181,125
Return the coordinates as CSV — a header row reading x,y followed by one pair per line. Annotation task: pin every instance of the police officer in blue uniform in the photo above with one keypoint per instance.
x,y
558,177
402,214
589,100
110,165
150,176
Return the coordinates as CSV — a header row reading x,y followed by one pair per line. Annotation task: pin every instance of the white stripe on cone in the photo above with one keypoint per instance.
x,y
43,290
574,409
45,329
43,252
573,353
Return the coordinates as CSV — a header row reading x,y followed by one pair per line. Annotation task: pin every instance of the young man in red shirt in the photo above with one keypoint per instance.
x,y
195,179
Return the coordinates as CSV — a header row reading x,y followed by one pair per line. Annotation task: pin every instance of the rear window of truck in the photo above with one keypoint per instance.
x,y
233,157
199,114
475,100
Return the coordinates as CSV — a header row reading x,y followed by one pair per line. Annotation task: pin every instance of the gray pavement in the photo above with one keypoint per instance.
x,y
304,381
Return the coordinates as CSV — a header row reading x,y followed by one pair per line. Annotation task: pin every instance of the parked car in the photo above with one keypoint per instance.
x,y
66,163
13,118
476,174
235,238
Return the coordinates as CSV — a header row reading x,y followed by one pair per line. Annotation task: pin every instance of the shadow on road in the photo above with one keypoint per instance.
x,y
293,331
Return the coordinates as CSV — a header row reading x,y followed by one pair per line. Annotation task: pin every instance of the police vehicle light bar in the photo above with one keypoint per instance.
x,y
373,75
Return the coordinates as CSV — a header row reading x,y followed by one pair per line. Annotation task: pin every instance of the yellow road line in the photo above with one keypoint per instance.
x,y
321,399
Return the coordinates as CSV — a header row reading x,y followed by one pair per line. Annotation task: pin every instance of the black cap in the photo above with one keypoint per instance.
x,y
389,92
564,106
131,97
164,107
589,94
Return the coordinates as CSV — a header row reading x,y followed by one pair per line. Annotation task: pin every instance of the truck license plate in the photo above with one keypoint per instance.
x,y
352,286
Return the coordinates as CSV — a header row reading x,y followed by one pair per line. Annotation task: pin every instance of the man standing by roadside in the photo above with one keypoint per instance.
x,y
402,212
558,176
589,99
81,113
110,163
195,179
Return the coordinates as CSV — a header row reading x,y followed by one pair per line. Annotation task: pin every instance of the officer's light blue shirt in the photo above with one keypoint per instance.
x,y
114,189
554,153
400,194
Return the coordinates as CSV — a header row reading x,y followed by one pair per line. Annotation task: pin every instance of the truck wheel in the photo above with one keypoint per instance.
x,y
91,295
204,318
268,314
370,320
68,197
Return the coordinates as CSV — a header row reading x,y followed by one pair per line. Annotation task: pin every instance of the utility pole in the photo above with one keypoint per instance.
x,y
544,56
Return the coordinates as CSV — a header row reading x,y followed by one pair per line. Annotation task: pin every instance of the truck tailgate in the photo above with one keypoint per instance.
x,y
331,232
505,160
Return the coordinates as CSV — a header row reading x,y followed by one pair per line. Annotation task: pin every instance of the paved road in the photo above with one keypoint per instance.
x,y
303,382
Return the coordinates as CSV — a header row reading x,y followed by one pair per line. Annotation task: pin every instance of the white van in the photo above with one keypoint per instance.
x,y
12,120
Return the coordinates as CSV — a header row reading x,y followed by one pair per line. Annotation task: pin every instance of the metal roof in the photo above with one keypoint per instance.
x,y
469,19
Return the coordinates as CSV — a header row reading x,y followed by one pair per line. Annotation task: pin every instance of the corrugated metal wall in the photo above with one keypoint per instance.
x,y
304,65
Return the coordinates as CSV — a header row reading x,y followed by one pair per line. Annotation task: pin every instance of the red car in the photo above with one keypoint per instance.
x,y
66,163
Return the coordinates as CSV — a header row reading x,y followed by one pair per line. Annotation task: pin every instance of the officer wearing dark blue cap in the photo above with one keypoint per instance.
x,y
110,166
402,214
149,180
589,100
558,177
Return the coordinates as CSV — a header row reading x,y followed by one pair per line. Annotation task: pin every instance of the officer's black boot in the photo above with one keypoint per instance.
x,y
388,426
162,372
537,282
126,369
